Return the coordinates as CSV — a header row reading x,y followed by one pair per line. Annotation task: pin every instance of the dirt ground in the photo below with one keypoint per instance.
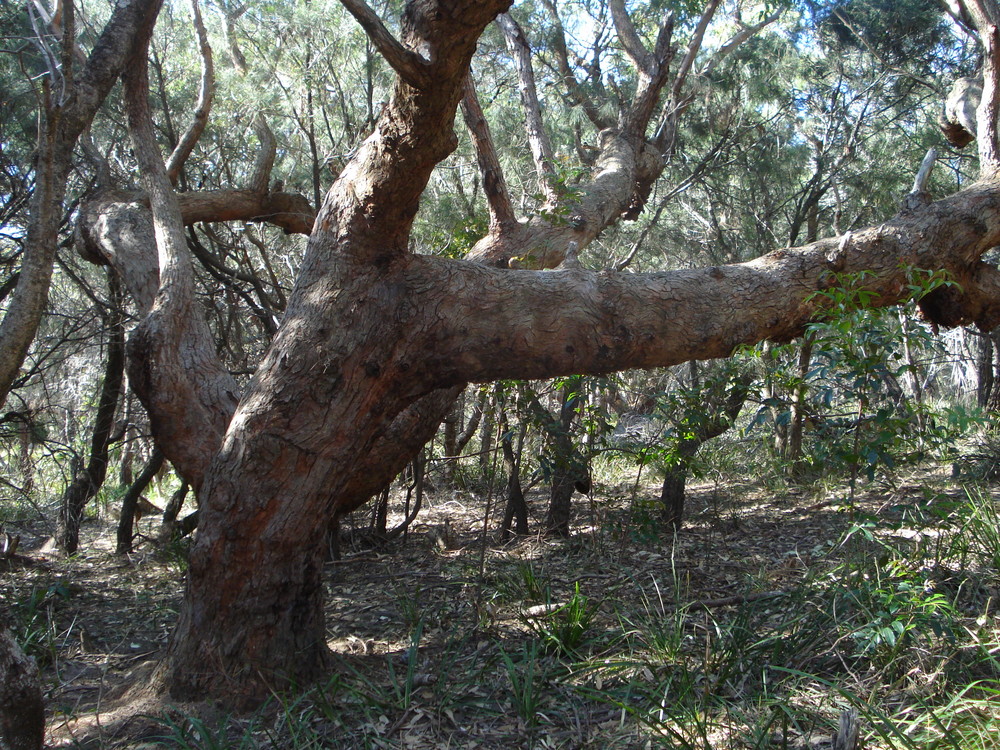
x,y
96,622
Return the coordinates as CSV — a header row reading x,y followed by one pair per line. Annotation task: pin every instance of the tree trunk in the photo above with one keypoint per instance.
x,y
169,526
560,504
69,104
126,521
487,436
22,711
86,483
674,490
516,510
375,338
797,424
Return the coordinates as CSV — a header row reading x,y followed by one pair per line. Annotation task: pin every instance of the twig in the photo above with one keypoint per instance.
x,y
738,599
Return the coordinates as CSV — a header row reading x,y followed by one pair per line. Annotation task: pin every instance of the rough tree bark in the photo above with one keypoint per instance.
x,y
70,101
22,712
376,341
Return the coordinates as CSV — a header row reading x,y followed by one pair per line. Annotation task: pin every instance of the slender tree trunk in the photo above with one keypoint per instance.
x,y
451,426
487,435
984,369
674,490
126,521
797,424
516,510
168,526
87,482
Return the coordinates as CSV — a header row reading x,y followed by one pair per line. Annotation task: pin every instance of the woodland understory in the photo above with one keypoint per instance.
x,y
766,620
460,373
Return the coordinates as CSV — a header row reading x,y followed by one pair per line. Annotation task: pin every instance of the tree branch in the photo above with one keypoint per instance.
x,y
264,163
678,103
989,105
206,92
538,141
494,185
544,324
59,129
173,366
410,66
627,35
737,40
577,94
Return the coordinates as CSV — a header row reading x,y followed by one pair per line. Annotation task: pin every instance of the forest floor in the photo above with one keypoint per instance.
x,y
755,627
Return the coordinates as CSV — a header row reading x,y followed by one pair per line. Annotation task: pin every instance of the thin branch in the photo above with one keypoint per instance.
x,y
494,184
410,66
541,148
694,46
206,93
924,173
577,94
737,40
678,103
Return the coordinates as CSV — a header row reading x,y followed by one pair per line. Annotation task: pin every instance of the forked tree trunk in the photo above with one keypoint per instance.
x,y
376,340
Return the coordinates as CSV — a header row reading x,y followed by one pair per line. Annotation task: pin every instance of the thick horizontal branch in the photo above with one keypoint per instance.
x,y
530,324
290,211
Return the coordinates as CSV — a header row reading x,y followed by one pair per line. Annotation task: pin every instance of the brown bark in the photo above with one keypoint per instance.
x,y
89,480
516,509
22,712
376,342
70,103
130,502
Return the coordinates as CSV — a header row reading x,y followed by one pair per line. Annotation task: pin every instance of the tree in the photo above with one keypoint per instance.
x,y
376,340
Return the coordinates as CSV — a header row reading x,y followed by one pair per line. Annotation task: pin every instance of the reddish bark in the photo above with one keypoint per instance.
x,y
376,341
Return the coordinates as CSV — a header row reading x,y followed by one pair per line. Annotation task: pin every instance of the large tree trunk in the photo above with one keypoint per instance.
x,y
376,341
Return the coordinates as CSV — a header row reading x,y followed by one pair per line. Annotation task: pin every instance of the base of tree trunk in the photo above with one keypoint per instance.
x,y
22,712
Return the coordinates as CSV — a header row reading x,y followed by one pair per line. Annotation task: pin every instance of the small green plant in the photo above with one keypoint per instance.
x,y
660,627
404,684
192,733
890,603
563,630
981,532
535,589
523,674
35,622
